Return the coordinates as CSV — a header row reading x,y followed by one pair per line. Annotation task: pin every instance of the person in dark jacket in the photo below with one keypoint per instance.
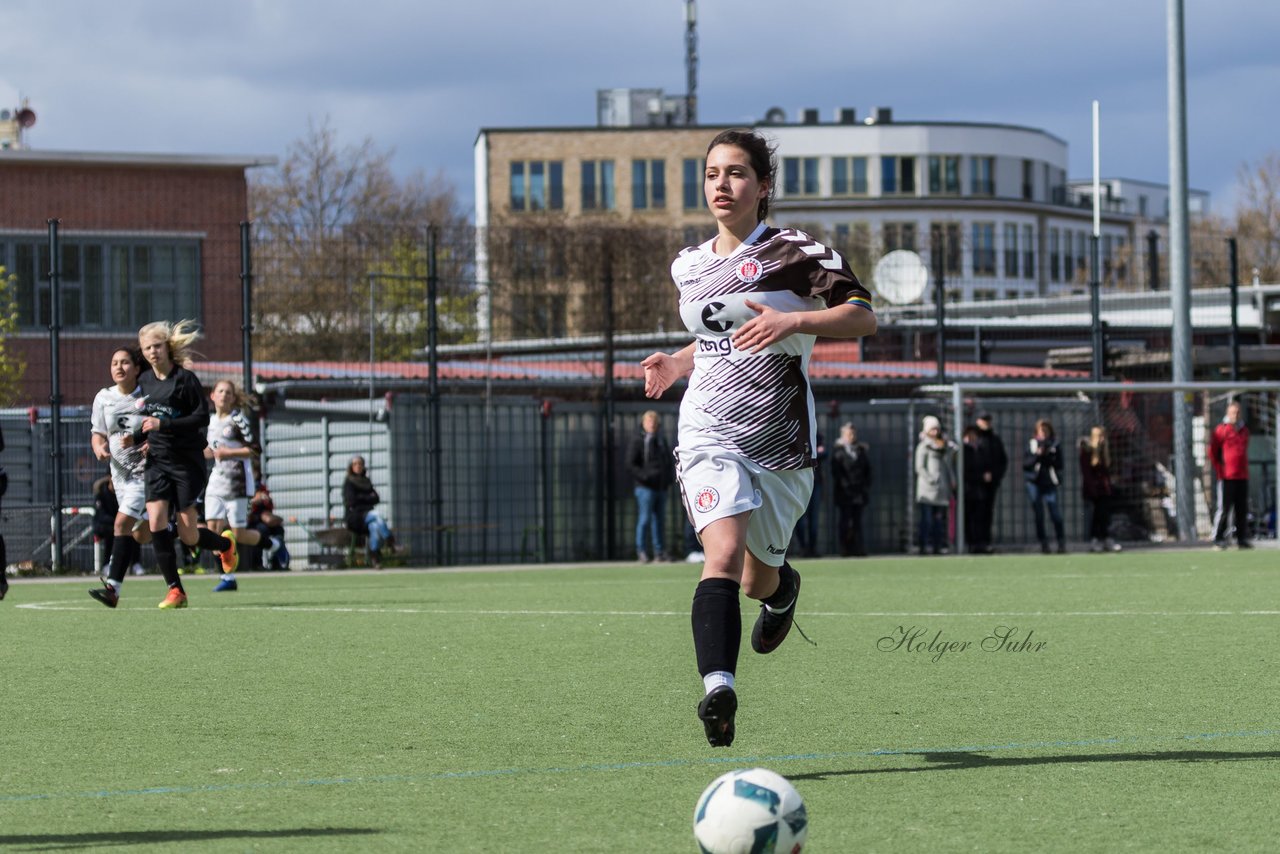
x,y
991,463
1095,486
360,500
1042,470
1229,453
652,464
976,489
851,471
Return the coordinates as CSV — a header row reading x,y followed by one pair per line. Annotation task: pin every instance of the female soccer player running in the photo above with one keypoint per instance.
x,y
755,298
116,413
226,498
175,418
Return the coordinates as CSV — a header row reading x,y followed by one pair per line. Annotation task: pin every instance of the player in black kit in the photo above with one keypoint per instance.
x,y
175,412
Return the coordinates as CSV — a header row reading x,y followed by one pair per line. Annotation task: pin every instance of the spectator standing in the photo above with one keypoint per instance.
x,y
976,488
1042,471
1229,452
851,474
935,485
991,462
653,465
1097,489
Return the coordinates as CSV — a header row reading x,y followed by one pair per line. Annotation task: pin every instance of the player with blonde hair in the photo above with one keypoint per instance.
x,y
175,417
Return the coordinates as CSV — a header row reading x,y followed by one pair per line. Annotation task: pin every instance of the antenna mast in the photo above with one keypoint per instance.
x,y
691,61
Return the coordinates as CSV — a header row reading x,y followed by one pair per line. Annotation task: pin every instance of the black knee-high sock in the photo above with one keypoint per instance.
x,y
786,591
135,551
121,552
166,558
211,541
717,625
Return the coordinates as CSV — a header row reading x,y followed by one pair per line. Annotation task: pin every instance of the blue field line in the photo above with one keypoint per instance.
x,y
740,761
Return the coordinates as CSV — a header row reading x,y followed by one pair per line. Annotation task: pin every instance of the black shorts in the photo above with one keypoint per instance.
x,y
179,481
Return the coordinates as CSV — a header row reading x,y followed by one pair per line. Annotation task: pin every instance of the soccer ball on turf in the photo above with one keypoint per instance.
x,y
750,812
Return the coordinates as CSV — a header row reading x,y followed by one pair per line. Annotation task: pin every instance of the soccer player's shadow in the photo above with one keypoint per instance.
x,y
145,837
967,760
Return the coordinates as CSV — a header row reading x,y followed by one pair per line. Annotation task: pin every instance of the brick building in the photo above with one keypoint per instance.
x,y
143,237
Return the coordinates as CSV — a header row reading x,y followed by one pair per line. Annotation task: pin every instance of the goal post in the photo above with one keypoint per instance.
x,y
1136,417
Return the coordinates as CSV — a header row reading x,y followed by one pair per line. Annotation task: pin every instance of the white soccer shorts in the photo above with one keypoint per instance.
x,y
131,495
234,510
717,484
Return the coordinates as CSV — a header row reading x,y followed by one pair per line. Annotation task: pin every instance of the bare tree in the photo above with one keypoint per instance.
x,y
1258,217
332,223
548,277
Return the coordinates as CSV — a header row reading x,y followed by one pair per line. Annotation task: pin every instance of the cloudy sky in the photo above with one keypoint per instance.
x,y
421,78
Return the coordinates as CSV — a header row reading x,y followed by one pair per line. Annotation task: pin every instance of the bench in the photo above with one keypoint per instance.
x,y
335,545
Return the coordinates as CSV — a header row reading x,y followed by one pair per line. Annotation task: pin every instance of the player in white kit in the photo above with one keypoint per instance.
x,y
755,298
226,497
116,413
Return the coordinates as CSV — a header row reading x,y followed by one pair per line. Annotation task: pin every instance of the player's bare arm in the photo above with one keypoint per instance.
x,y
770,326
661,370
101,449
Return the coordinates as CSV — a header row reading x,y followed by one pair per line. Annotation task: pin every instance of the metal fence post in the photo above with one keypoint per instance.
x,y
55,397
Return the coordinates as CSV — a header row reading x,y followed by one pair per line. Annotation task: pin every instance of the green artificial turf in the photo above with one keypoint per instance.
x,y
554,709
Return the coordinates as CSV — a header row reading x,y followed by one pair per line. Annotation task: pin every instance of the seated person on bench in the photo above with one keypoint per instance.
x,y
360,498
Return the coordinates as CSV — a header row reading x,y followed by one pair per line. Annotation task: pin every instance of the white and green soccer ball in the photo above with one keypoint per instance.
x,y
750,812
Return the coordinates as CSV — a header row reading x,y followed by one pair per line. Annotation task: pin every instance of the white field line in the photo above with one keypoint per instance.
x,y
559,612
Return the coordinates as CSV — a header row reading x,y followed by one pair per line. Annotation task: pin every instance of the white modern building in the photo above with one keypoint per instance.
x,y
987,207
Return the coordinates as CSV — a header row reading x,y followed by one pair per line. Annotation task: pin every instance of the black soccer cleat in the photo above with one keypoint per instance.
x,y
771,629
716,711
106,594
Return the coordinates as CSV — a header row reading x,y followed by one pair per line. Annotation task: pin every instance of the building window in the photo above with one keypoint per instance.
x,y
853,241
1106,257
984,294
106,284
597,185
541,315
1068,256
648,184
1010,250
537,185
517,185
898,235
800,176
944,175
1053,254
944,243
1028,252
984,249
1142,206
1082,251
897,176
982,172
694,197
849,176
1028,179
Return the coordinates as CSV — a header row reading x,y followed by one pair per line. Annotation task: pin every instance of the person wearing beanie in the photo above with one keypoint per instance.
x,y
935,485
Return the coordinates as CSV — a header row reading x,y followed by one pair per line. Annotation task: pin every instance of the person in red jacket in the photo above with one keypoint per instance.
x,y
1229,452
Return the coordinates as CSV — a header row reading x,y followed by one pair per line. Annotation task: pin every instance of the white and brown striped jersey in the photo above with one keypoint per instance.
x,y
756,405
233,477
